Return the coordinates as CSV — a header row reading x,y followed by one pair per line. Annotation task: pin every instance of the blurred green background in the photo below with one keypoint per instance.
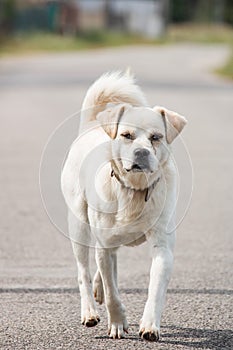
x,y
28,26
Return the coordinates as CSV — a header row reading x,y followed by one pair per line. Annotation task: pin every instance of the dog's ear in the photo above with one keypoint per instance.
x,y
173,122
110,118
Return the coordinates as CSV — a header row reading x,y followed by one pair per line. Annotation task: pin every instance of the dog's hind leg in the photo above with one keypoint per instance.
x,y
98,289
89,315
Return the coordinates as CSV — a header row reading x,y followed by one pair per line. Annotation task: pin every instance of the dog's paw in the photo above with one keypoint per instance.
x,y
118,330
98,289
117,323
90,318
149,332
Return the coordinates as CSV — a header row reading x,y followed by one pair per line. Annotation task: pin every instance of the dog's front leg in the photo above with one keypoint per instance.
x,y
161,268
79,232
89,315
117,323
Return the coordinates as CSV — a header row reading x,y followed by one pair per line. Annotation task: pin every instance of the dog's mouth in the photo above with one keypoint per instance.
x,y
139,168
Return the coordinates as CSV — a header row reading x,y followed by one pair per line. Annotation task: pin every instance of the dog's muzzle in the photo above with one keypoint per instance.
x,y
141,160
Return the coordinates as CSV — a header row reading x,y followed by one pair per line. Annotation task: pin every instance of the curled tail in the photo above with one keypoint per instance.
x,y
113,87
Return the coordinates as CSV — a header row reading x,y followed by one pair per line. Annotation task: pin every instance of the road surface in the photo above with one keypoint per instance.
x,y
40,306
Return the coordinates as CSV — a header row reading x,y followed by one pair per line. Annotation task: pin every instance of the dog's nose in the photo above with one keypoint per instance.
x,y
141,152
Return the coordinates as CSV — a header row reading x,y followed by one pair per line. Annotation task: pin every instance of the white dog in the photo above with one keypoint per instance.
x,y
119,182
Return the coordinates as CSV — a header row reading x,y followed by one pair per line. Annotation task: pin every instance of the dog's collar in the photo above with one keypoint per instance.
x,y
148,191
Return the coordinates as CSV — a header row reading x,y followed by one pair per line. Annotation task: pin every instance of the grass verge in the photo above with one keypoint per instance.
x,y
227,69
32,43
206,34
200,33
23,43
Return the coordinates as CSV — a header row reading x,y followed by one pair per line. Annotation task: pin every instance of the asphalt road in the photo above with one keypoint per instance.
x,y
40,307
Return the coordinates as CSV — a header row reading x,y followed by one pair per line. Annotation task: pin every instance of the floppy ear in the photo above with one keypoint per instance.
x,y
110,118
173,122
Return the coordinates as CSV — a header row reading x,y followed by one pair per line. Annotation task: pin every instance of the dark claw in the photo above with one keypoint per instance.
x,y
92,322
146,336
150,336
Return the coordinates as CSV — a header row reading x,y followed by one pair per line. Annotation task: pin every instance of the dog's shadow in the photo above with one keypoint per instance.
x,y
191,338
198,338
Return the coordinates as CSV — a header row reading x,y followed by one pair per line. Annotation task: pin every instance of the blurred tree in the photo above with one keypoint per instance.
x,y
7,15
182,10
228,12
202,12
108,14
218,11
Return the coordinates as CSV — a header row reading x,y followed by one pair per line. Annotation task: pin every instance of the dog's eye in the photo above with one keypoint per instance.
x,y
156,137
127,136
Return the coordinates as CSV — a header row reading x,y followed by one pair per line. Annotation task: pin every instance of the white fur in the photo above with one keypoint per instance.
x,y
112,87
114,212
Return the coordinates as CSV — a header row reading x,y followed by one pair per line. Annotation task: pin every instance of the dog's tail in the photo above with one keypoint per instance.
x,y
114,87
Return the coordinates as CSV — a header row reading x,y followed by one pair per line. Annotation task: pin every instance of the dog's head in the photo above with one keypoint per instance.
x,y
141,138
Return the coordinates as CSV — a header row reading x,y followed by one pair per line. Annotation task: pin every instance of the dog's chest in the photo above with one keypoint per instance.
x,y
129,223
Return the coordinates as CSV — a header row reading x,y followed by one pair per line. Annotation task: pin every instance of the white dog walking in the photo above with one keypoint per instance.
x,y
119,183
